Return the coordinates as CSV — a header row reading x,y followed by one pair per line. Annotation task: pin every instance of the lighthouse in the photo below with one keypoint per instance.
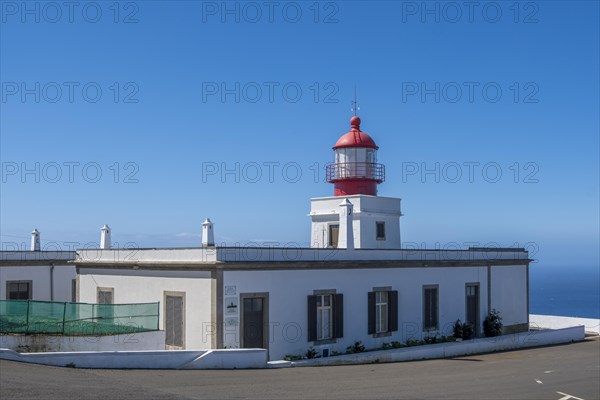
x,y
355,174
355,170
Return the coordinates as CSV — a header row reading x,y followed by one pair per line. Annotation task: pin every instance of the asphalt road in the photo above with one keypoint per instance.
x,y
543,373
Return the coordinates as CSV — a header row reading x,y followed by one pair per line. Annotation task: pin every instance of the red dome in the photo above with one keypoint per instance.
x,y
356,137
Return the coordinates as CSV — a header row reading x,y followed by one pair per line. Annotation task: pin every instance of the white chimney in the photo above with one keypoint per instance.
x,y
105,237
35,240
208,235
346,235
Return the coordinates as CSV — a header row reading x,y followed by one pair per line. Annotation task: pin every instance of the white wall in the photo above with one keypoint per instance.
x,y
42,343
145,286
288,291
367,211
40,275
509,294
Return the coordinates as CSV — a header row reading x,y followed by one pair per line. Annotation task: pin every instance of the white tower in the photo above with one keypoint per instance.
x,y
105,237
355,175
35,240
346,238
208,235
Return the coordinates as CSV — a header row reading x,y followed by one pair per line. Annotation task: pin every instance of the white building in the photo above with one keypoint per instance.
x,y
355,283
37,274
45,275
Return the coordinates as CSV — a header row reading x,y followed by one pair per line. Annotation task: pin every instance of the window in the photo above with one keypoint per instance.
x,y
380,230
325,316
430,308
383,311
174,320
334,233
18,290
105,295
324,319
104,309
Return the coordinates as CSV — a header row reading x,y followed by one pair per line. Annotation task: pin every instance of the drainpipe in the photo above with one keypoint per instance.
x,y
52,282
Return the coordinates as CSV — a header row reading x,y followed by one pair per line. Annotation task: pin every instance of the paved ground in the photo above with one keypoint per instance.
x,y
542,373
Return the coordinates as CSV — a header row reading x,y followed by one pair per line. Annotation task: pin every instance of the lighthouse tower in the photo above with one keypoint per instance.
x,y
355,170
374,221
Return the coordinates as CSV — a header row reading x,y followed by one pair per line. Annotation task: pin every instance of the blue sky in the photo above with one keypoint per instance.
x,y
190,88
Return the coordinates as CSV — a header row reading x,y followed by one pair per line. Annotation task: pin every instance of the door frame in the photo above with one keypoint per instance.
x,y
476,327
183,316
265,311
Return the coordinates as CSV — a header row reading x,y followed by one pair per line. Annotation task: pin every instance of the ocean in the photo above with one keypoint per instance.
x,y
572,292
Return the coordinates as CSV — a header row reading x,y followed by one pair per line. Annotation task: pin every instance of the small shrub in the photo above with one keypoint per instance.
x,y
468,331
412,342
397,345
386,346
357,347
492,325
458,329
311,353
292,358
430,340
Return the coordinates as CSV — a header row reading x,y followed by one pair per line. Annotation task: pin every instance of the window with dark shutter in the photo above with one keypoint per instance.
x,y
371,306
338,315
18,290
325,312
393,310
382,311
380,230
430,308
73,290
312,318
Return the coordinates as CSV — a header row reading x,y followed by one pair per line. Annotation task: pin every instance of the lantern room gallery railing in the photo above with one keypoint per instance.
x,y
355,170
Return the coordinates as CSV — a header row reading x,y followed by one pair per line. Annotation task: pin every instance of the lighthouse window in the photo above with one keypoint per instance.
x,y
370,156
334,233
380,228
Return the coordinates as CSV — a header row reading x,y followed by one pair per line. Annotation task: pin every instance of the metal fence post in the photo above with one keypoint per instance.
x,y
27,318
64,316
157,315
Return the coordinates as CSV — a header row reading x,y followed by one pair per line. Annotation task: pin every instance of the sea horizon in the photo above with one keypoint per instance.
x,y
563,292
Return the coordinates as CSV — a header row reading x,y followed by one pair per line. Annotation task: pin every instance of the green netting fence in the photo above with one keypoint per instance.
x,y
52,317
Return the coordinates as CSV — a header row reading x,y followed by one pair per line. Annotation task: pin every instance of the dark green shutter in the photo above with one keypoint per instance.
x,y
312,318
372,311
338,316
392,310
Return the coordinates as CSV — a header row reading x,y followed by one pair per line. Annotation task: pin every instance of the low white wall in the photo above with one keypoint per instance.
x,y
165,359
230,358
455,349
57,343
592,325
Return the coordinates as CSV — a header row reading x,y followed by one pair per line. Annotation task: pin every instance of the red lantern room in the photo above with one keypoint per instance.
x,y
355,170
